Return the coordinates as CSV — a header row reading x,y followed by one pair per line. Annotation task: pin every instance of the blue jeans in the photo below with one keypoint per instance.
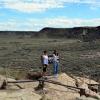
x,y
55,67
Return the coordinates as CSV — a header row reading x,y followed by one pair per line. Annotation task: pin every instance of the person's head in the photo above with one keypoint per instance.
x,y
54,52
45,52
57,54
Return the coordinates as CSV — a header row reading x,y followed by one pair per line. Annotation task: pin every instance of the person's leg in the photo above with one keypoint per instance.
x,y
56,68
44,70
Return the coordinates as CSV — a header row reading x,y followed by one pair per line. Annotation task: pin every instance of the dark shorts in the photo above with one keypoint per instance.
x,y
45,67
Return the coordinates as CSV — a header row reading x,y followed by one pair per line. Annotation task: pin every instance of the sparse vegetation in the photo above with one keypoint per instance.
x,y
20,55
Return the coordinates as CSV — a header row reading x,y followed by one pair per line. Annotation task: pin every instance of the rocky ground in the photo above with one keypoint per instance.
x,y
50,91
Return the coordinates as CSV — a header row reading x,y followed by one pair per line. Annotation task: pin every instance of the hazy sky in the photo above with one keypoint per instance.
x,y
33,15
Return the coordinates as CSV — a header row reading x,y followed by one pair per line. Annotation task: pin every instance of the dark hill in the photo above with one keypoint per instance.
x,y
71,32
76,32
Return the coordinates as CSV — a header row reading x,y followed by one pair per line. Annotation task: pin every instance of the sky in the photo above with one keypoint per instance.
x,y
33,15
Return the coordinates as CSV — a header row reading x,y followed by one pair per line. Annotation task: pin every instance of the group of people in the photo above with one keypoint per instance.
x,y
55,62
45,62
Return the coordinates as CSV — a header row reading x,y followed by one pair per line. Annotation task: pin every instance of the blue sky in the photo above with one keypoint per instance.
x,y
33,15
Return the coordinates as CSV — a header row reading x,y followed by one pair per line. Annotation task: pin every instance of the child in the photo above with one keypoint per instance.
x,y
44,61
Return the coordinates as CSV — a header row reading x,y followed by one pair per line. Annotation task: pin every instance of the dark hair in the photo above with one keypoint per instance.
x,y
55,52
44,51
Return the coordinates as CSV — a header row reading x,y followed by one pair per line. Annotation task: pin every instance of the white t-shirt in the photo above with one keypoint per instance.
x,y
45,59
55,58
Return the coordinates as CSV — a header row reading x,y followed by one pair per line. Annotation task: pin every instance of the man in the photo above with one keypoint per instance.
x,y
55,62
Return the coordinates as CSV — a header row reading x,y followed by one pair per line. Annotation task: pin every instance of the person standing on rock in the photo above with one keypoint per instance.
x,y
55,62
44,61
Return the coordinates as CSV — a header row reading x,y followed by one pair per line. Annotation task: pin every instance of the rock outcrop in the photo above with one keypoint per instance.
x,y
50,91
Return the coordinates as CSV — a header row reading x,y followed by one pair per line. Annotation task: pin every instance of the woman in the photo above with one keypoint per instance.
x,y
55,62
44,61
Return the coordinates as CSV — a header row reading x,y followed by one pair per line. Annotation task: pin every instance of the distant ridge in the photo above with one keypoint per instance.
x,y
50,32
70,32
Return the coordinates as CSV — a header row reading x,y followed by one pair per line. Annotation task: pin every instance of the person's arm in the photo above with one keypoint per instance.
x,y
57,55
41,59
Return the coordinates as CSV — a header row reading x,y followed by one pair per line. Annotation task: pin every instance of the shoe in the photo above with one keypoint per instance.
x,y
56,75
